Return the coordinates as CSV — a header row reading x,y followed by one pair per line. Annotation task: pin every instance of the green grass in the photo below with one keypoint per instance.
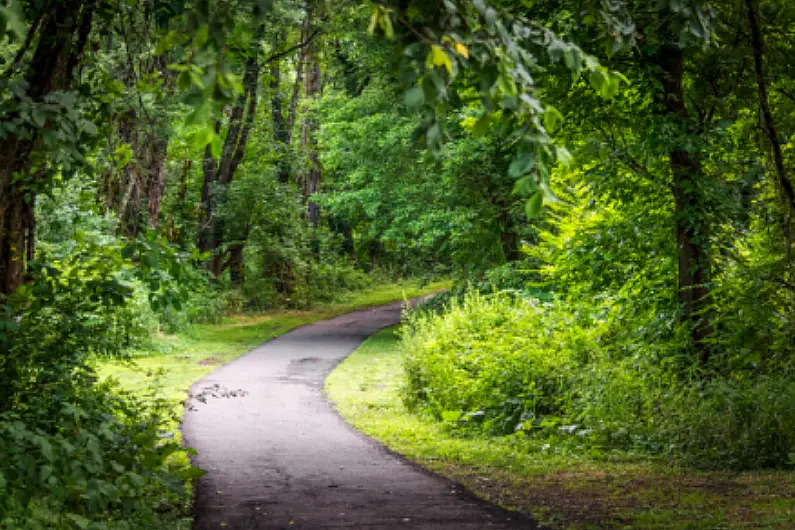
x,y
563,492
180,360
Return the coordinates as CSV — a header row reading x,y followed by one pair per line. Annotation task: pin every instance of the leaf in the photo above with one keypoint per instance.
x,y
438,57
12,20
386,25
533,206
563,155
433,136
374,20
552,117
215,146
39,116
415,98
89,128
462,50
481,126
79,520
507,85
521,164
203,137
451,415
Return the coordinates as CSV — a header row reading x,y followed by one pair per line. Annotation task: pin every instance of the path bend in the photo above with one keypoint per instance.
x,y
278,456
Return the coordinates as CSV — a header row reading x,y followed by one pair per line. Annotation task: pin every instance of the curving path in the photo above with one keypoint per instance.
x,y
278,457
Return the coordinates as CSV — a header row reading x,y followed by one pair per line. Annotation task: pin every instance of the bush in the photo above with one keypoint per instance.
x,y
75,453
599,377
79,455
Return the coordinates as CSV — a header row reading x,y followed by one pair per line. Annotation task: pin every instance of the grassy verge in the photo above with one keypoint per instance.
x,y
182,359
561,492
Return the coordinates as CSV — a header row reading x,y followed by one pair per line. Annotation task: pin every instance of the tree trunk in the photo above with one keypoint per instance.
x,y
58,50
157,152
299,79
220,175
156,167
312,89
281,135
757,43
207,206
691,230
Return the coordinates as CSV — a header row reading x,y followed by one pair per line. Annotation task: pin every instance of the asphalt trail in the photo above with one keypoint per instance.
x,y
277,456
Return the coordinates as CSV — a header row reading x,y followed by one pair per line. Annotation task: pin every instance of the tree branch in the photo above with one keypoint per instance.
x,y
291,49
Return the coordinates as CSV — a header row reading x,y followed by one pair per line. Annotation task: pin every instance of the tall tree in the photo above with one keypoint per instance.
x,y
60,39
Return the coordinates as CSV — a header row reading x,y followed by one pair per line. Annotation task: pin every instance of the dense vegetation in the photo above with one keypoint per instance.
x,y
613,177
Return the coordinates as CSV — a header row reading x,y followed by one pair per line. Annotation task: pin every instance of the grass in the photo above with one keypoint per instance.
x,y
182,359
562,492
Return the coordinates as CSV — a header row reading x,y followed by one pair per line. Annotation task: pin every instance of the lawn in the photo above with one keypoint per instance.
x,y
562,492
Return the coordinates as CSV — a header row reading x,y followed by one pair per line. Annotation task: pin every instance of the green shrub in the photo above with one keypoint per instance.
x,y
598,377
80,455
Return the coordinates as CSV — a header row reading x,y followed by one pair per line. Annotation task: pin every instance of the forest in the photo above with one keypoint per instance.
x,y
606,185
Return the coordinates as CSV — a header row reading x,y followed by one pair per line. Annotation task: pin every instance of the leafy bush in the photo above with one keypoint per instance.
x,y
602,376
75,453
80,455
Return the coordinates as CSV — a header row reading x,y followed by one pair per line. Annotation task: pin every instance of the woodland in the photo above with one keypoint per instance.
x,y
608,183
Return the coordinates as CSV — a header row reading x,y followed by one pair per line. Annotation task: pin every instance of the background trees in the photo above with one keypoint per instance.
x,y
633,162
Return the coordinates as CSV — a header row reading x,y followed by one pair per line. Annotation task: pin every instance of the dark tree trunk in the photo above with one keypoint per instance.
x,y
157,152
220,175
280,133
691,230
757,42
156,167
63,33
207,206
237,263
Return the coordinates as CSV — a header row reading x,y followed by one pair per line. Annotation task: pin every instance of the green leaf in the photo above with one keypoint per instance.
x,y
438,57
79,520
533,206
521,164
563,155
481,126
215,146
39,116
415,98
552,117
12,19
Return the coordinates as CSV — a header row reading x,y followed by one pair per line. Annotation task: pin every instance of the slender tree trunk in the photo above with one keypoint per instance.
x,y
60,44
207,206
757,43
299,79
691,230
156,167
281,135
220,175
312,89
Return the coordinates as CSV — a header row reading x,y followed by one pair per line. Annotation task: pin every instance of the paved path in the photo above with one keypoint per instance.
x,y
278,457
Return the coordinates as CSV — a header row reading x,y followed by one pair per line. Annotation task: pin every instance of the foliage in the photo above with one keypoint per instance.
x,y
579,377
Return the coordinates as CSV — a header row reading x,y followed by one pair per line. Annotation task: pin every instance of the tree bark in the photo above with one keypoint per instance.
x,y
207,206
691,231
59,46
312,89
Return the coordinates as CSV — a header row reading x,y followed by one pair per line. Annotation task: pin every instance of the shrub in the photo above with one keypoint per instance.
x,y
603,376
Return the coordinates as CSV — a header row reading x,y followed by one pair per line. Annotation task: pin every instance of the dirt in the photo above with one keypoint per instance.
x,y
278,457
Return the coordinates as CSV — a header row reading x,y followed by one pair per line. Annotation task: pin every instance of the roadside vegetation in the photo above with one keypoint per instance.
x,y
561,484
608,184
